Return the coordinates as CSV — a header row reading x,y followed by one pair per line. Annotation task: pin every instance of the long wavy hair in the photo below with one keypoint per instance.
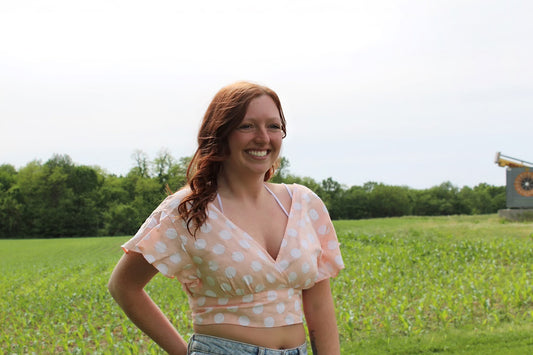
x,y
225,112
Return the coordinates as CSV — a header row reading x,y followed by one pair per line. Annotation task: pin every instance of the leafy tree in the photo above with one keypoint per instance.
x,y
389,201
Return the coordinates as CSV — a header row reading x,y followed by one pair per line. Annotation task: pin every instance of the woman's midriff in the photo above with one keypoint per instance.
x,y
290,336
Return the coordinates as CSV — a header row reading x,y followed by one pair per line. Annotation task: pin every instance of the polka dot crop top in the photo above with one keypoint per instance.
x,y
228,276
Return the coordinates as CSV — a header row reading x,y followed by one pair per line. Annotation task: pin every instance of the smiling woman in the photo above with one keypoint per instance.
x,y
254,257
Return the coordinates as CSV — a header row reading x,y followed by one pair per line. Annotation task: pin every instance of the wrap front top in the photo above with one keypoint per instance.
x,y
229,277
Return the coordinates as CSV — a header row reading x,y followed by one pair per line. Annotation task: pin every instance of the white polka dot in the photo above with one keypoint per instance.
x,y
160,247
150,258
322,230
175,202
247,236
163,268
262,255
225,234
332,245
200,244
297,305
230,225
152,223
201,301
256,266
233,309
272,295
223,301
293,276
270,278
313,214
210,293
284,243
328,267
225,286
306,197
302,222
305,268
171,233
213,265
175,258
311,237
283,264
231,272
239,291
297,206
259,288
338,260
237,256
244,321
244,243
210,280
197,260
291,232
269,322
258,309
248,298
206,228
296,253
219,249
212,214
305,244
289,319
290,292
199,319
219,318
184,239
280,307
308,283
248,279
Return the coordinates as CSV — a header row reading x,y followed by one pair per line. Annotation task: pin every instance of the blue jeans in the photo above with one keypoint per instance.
x,y
208,345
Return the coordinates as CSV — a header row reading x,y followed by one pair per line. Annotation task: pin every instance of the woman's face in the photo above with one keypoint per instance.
x,y
256,142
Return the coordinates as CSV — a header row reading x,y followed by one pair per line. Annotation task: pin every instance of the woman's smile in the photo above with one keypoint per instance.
x,y
258,153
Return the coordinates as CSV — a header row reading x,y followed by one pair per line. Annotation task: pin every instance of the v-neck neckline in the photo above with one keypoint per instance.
x,y
259,246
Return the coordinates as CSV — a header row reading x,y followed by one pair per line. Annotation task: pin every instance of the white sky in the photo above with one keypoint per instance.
x,y
401,92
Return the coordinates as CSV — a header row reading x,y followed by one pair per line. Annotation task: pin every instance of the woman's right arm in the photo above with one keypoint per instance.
x,y
126,285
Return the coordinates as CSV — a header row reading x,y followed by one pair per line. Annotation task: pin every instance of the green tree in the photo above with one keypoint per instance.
x,y
389,201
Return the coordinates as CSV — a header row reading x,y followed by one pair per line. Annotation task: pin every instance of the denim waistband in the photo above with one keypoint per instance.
x,y
200,344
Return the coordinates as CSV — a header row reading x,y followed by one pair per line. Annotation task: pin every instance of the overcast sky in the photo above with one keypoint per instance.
x,y
401,92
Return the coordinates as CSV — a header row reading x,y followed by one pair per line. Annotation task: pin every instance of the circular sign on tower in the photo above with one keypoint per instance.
x,y
523,184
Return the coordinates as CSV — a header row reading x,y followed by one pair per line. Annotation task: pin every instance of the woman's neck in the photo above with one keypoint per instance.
x,y
240,187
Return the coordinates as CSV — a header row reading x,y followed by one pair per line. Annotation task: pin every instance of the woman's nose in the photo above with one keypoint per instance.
x,y
261,134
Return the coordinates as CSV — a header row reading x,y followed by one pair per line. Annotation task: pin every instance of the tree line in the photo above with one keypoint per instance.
x,y
59,198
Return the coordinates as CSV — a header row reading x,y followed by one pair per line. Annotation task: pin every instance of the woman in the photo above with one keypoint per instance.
x,y
251,255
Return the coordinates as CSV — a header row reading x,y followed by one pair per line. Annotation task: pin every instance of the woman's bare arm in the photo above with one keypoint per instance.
x,y
320,317
126,285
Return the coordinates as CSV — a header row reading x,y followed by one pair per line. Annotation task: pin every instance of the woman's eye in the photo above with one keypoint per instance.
x,y
275,127
246,127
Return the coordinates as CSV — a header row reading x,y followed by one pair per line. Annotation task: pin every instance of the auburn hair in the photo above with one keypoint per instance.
x,y
225,112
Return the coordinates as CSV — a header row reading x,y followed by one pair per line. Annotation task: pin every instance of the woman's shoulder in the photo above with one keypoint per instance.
x,y
301,191
173,200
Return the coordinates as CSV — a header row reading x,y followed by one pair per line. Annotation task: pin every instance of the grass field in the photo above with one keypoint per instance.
x,y
447,285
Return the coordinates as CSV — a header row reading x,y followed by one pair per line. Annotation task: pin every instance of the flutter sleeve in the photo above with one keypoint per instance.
x,y
330,259
162,240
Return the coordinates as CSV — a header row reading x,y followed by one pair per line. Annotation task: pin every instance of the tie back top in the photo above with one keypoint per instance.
x,y
229,277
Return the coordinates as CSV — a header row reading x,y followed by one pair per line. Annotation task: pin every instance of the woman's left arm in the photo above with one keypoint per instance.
x,y
319,312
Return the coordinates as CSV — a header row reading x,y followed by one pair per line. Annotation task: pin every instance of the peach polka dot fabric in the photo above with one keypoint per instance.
x,y
228,276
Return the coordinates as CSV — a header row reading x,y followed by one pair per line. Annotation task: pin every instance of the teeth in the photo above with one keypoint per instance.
x,y
258,153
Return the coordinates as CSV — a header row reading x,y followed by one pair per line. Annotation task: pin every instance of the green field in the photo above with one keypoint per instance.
x,y
413,285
